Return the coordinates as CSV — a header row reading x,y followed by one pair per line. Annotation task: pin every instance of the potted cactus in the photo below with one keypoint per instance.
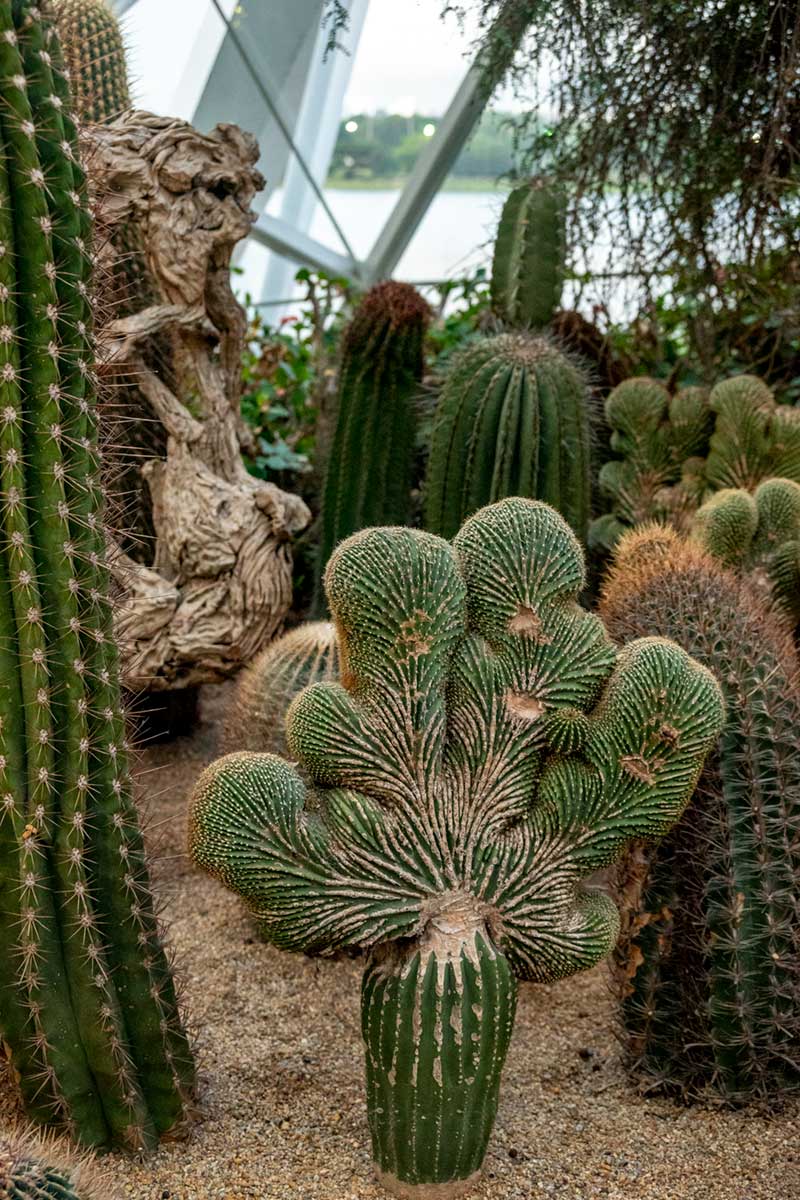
x,y
486,750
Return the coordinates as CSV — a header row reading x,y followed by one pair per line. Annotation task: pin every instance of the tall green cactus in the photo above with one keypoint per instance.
x,y
528,264
94,55
512,420
487,749
368,475
33,1169
709,961
303,656
87,1002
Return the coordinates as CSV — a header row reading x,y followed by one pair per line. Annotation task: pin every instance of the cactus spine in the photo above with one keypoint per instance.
x,y
528,264
265,690
94,56
32,1168
512,420
87,1003
448,838
368,475
709,961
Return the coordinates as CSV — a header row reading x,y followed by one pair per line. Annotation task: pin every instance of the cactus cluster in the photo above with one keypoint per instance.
x,y
676,451
305,655
34,1169
88,1011
369,468
709,960
94,56
528,263
512,420
486,750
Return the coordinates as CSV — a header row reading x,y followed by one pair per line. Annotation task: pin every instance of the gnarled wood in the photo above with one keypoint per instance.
x,y
219,583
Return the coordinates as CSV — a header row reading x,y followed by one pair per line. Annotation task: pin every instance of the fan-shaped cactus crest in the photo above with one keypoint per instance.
x,y
486,750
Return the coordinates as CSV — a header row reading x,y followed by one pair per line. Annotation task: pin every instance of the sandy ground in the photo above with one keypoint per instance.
x,y
281,1104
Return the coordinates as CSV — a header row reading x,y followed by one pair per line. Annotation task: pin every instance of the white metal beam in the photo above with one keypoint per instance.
x,y
285,239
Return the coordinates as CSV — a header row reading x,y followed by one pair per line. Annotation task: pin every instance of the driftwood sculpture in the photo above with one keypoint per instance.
x,y
216,583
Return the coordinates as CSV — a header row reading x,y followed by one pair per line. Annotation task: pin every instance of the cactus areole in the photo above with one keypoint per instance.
x,y
486,750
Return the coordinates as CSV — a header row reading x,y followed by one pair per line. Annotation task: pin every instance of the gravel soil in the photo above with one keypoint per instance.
x,y
281,1112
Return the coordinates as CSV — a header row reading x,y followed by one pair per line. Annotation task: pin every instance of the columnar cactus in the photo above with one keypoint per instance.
x,y
512,420
94,55
32,1169
487,749
265,690
368,475
709,960
528,263
87,1002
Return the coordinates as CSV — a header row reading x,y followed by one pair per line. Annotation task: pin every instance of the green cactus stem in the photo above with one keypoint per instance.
x,y
305,655
445,835
369,470
512,420
94,56
709,961
87,1003
528,265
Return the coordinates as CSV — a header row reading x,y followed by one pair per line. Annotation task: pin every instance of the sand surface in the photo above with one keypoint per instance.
x,y
281,1104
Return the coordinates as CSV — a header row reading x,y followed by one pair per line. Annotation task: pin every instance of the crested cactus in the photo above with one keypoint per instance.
x,y
87,1002
512,420
305,655
486,750
368,473
94,56
709,960
528,263
34,1169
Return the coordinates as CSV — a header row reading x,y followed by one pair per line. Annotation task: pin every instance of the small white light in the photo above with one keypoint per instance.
x,y
351,127
429,130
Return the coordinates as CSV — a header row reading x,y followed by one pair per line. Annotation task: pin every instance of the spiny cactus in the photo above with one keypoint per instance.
x,y
265,690
87,1003
528,263
754,438
34,1169
487,750
512,420
709,960
94,55
368,476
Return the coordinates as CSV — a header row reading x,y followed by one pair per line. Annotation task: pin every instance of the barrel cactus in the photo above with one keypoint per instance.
x,y
369,468
709,961
87,1004
512,420
94,55
34,1169
487,749
528,263
265,690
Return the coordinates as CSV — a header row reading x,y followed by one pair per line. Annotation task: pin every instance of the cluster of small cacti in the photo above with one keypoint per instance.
x,y
674,452
94,57
88,1011
487,749
32,1168
308,654
369,468
709,962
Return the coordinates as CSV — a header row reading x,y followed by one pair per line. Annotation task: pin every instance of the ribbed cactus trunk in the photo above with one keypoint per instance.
x,y
94,55
437,1027
528,264
87,1002
709,961
368,474
512,420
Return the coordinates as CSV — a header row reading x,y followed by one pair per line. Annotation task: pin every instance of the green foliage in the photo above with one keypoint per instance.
x,y
88,1011
443,835
709,962
368,473
528,264
94,55
512,420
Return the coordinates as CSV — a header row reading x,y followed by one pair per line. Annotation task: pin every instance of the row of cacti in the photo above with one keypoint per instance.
x,y
88,1011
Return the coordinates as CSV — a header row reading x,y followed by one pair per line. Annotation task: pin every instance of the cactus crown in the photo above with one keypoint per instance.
x,y
390,307
487,748
35,1168
94,55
